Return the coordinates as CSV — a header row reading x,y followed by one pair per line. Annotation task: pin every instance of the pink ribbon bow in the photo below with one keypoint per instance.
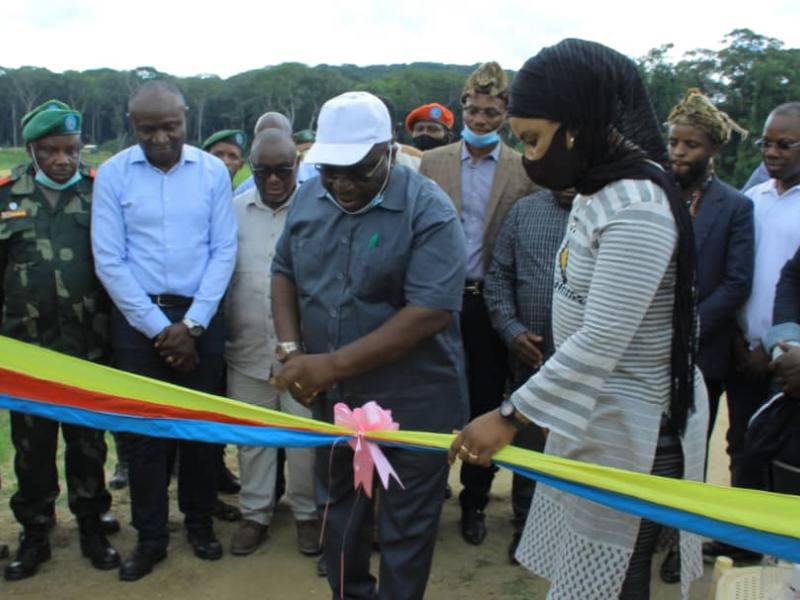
x,y
367,455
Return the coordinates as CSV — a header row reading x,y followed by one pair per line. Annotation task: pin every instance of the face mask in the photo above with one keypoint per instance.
x,y
559,168
479,140
427,142
376,200
42,178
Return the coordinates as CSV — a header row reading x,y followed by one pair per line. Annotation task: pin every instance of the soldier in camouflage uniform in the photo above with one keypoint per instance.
x,y
50,297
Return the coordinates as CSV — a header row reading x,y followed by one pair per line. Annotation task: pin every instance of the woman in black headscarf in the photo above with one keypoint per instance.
x,y
621,389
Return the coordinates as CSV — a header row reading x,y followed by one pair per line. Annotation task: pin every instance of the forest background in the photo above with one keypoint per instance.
x,y
747,78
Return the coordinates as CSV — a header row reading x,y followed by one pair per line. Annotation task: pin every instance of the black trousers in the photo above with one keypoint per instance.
x,y
745,396
487,370
149,457
408,520
35,442
668,462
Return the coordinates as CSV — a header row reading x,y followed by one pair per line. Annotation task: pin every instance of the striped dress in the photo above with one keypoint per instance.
x,y
603,393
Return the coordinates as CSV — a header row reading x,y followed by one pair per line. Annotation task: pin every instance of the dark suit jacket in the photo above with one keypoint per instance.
x,y
723,230
511,183
787,294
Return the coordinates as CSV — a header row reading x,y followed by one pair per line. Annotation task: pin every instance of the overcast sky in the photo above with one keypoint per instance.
x,y
225,37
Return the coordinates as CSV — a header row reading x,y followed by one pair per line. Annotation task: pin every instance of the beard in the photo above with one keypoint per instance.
x,y
693,173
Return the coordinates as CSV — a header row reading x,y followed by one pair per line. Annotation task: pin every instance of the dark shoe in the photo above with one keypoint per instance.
x,y
205,544
473,526
99,551
119,479
248,537
322,567
109,523
711,550
512,548
227,483
33,550
226,512
308,535
670,570
141,562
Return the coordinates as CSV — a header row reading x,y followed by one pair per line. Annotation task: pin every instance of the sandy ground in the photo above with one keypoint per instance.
x,y
278,571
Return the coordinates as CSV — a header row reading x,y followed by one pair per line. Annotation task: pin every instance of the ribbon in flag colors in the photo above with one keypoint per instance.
x,y
59,387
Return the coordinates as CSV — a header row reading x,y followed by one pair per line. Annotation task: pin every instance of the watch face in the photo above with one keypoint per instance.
x,y
506,408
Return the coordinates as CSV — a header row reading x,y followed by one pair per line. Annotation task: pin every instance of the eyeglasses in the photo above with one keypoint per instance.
x,y
782,144
354,173
490,113
284,172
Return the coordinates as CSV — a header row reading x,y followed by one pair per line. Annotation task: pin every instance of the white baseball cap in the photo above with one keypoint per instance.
x,y
349,126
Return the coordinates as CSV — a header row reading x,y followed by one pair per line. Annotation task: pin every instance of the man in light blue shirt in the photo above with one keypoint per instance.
x,y
164,243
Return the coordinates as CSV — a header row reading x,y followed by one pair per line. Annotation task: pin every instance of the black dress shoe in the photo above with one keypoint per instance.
x,y
119,479
670,571
711,550
473,526
99,551
109,523
205,544
141,562
33,550
322,567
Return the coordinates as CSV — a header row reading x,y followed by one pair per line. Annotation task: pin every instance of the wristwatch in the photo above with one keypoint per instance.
x,y
285,350
195,329
509,412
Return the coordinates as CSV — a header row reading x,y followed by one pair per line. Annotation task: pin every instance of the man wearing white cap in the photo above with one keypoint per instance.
x,y
366,288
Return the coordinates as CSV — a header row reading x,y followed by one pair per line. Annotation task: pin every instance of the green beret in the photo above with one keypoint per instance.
x,y
51,118
236,137
304,136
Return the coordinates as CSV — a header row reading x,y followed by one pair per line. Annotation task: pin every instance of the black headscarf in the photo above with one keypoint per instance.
x,y
599,94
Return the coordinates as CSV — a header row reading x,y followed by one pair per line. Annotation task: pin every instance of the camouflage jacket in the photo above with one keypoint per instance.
x,y
49,293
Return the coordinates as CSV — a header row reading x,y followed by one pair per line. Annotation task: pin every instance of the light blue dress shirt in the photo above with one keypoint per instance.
x,y
476,189
163,233
305,171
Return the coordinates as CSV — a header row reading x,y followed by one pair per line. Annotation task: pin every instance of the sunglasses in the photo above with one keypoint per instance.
x,y
284,172
354,173
782,144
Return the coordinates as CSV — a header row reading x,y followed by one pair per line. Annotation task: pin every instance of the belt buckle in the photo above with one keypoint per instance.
x,y
473,289
158,302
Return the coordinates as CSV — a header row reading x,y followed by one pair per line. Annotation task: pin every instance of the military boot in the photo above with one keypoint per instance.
x,y
96,547
34,549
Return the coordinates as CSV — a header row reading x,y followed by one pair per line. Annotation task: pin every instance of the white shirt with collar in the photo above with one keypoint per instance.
x,y
777,237
251,339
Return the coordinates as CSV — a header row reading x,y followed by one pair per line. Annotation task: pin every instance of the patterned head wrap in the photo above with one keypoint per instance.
x,y
696,110
489,78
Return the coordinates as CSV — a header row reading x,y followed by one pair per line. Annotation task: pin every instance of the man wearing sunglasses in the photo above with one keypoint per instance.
x,y
776,215
366,287
250,347
484,178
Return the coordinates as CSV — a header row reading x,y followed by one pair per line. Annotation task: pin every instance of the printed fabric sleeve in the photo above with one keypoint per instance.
x,y
633,253
110,257
222,253
499,283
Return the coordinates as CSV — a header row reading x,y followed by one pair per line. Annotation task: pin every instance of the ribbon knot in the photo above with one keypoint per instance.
x,y
367,456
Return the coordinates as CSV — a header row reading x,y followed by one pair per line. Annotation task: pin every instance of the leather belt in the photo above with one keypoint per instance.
x,y
473,288
171,301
